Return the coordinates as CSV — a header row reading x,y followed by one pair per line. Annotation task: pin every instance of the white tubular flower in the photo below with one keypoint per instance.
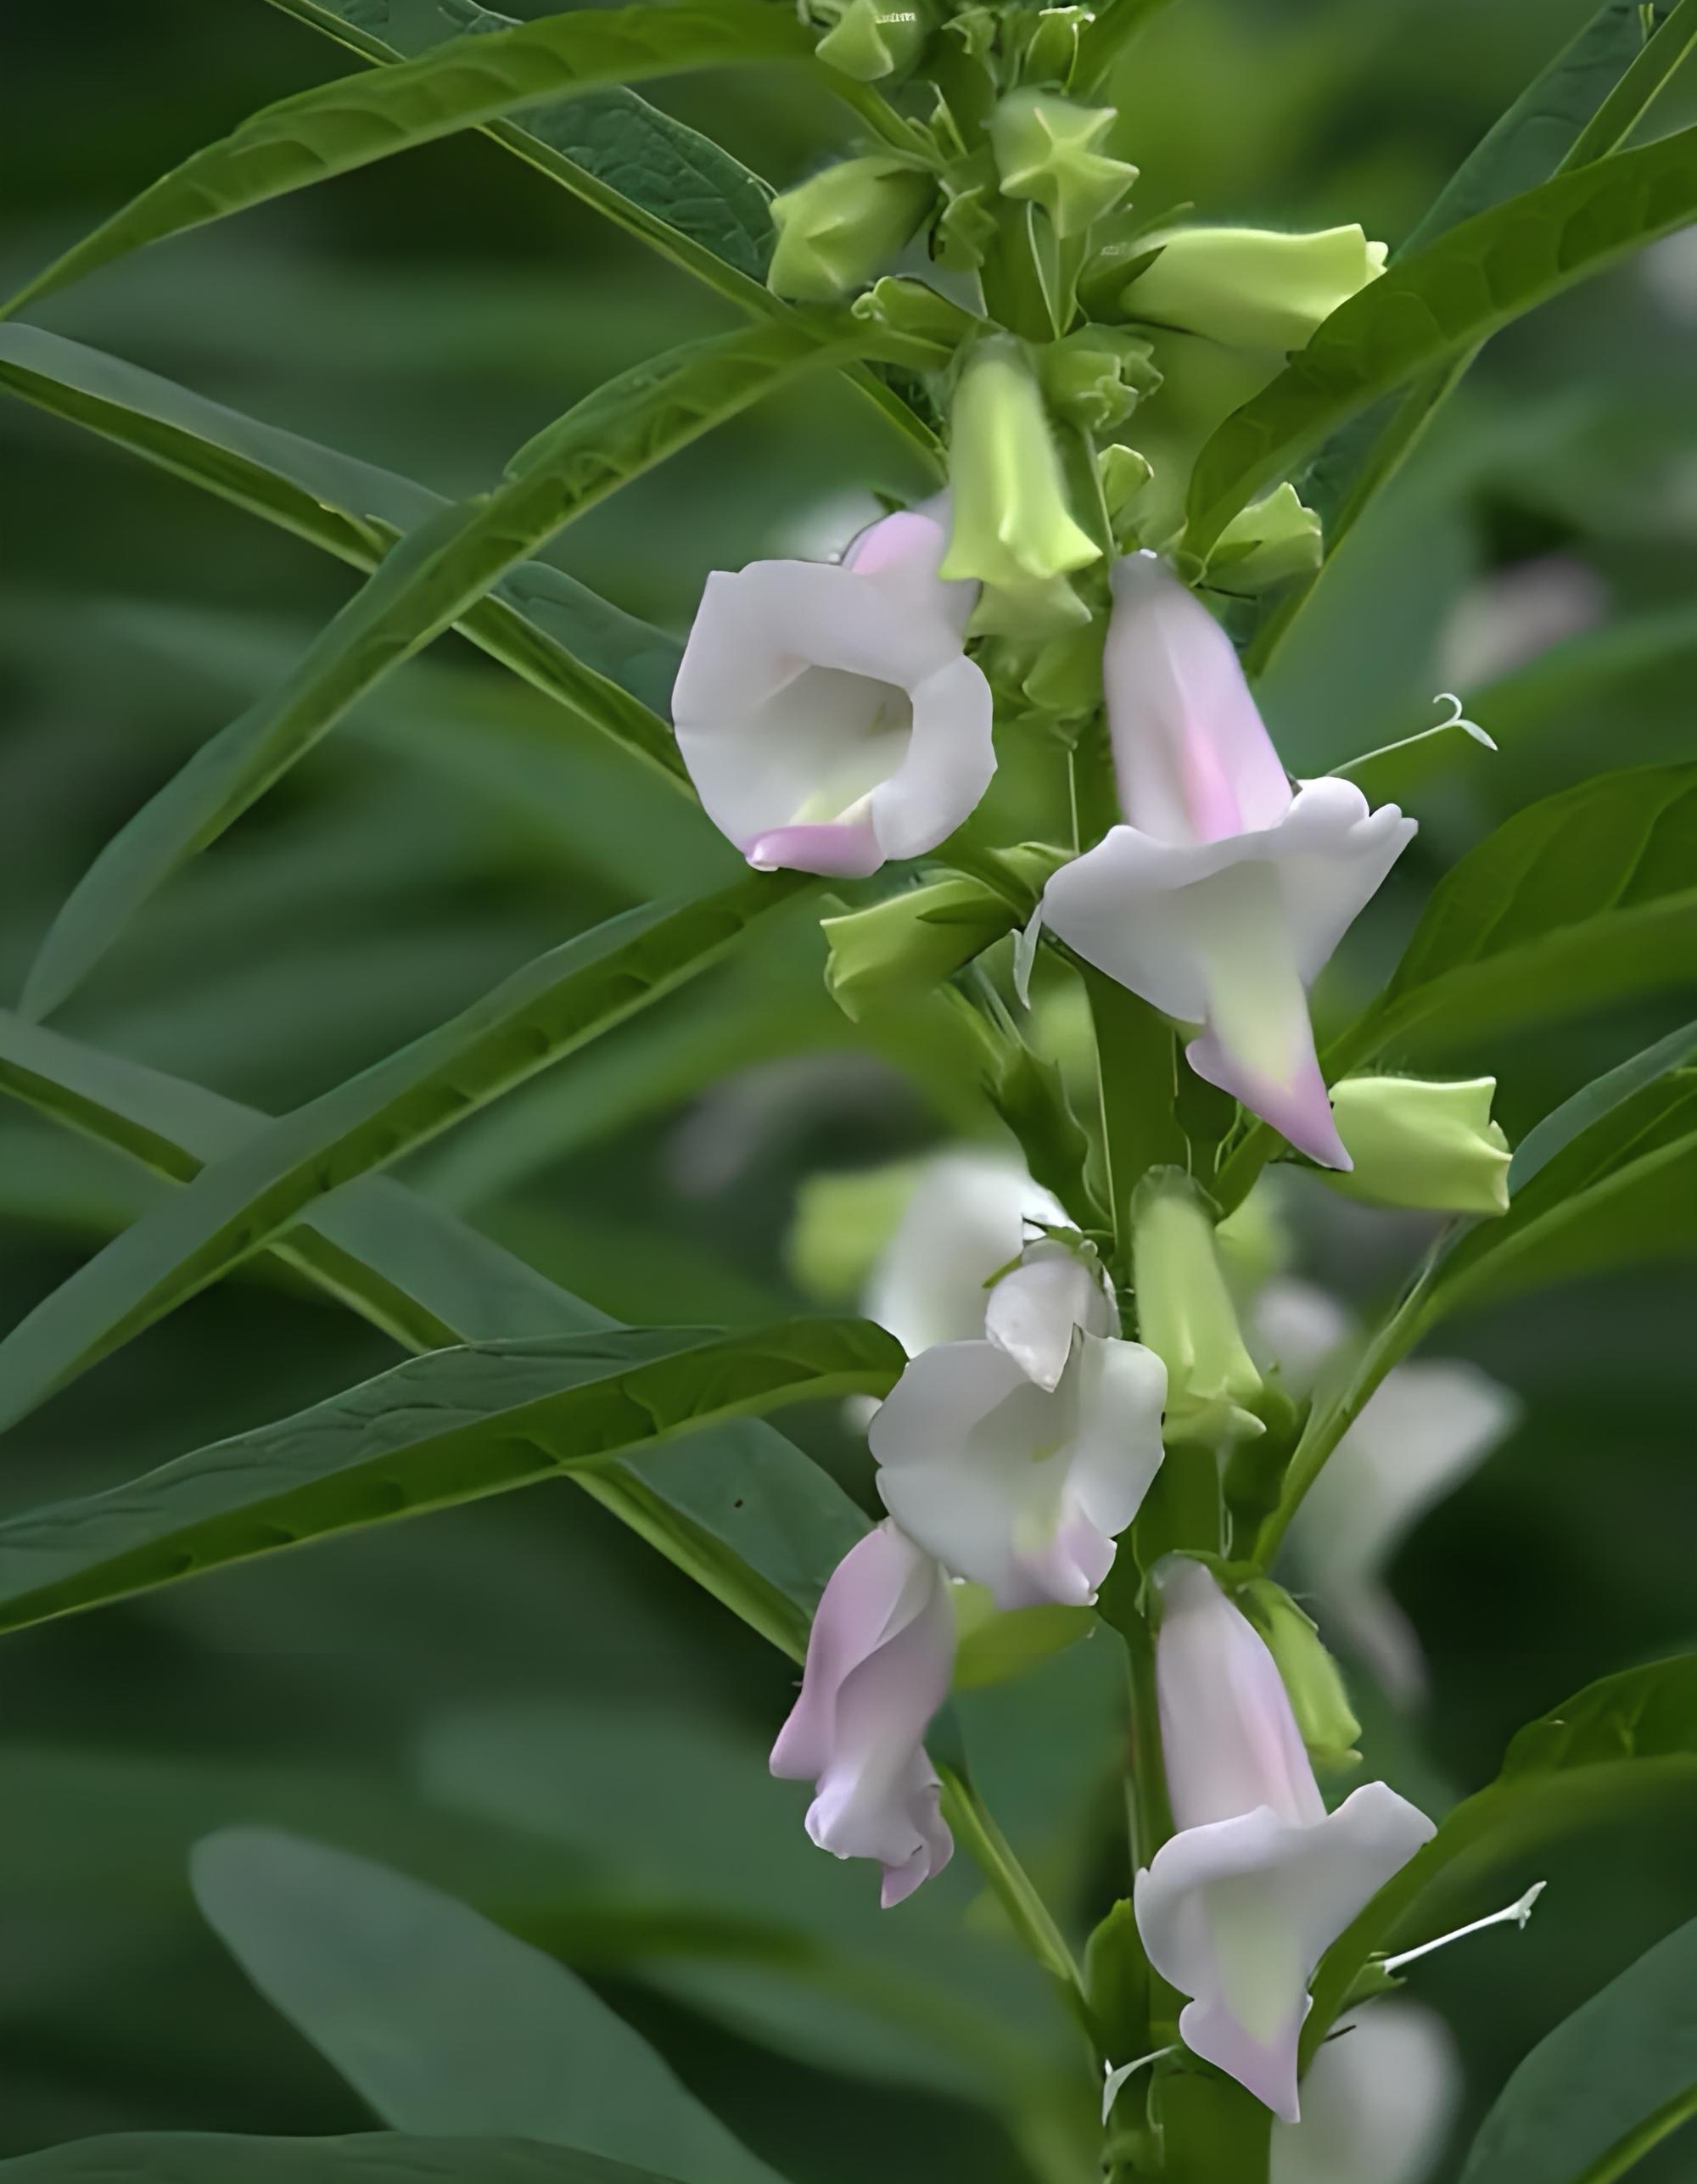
x,y
1223,898
1377,2102
1021,1488
827,714
966,1219
1036,1309
1238,1907
879,1662
1426,1427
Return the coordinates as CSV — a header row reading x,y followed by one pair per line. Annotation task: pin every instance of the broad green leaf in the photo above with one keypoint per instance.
x,y
449,1427
442,2023
751,1519
425,582
1580,900
1620,1742
1611,2082
1439,303
614,670
375,2157
547,1009
339,126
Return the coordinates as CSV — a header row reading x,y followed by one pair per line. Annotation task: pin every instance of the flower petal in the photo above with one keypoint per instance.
x,y
1034,1312
966,1217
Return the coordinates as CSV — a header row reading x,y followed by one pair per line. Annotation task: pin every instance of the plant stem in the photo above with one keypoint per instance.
x,y
971,1819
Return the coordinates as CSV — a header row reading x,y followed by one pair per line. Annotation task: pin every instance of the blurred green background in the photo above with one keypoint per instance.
x,y
519,1700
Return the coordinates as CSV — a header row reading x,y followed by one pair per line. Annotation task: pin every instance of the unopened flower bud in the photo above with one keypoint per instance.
x,y
1249,287
1013,527
873,38
1045,150
1124,474
1433,1146
910,942
909,306
1051,44
1310,1677
1185,1314
838,229
1095,377
1276,539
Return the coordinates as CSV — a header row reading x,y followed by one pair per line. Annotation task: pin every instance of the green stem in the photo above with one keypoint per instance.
x,y
1213,2131
1632,2149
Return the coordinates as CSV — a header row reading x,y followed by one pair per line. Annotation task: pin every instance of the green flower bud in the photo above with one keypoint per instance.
x,y
911,942
843,1226
1124,474
1248,287
1429,1145
1276,539
1045,150
1185,1314
1095,377
873,38
1312,1678
1051,43
966,229
909,306
1012,530
837,230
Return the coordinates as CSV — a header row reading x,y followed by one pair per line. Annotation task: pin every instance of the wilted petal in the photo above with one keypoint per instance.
x,y
967,1217
827,714
1034,1311
879,1660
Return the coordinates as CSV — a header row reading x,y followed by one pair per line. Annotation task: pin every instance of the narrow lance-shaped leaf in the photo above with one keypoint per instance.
x,y
339,126
450,1427
1437,304
372,2157
615,671
1622,1741
547,1009
751,1518
426,583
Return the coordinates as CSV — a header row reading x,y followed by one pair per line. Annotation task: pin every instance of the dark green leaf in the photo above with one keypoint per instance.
x,y
442,2023
449,1427
1620,1742
1608,2084
342,125
552,1005
1595,1100
378,2157
1439,303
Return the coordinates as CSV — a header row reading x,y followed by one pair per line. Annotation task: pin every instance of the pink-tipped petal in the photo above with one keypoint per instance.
x,y
838,849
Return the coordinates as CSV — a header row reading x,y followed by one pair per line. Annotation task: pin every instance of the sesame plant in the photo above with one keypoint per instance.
x,y
1002,760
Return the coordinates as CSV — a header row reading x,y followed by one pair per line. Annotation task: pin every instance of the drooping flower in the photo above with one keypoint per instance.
x,y
969,1214
1021,1488
1238,1906
1225,893
879,1659
1377,2105
827,714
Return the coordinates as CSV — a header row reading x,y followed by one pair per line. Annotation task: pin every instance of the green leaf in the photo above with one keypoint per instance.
x,y
449,1427
424,585
550,1007
337,127
1611,2082
1439,303
444,2024
616,671
1593,1101
1622,1741
1581,899
659,179
374,2157
751,1519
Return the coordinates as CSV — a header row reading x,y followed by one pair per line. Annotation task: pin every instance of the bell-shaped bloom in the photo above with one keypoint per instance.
x,y
879,1662
1222,897
1426,1427
827,713
1433,1146
1037,1307
1185,1314
1239,1905
1377,2105
1021,1488
970,1213
1250,287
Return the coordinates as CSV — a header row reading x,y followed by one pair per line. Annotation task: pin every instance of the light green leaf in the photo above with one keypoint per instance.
x,y
373,2156
1579,900
339,126
616,671
1617,1743
424,585
449,1427
442,2023
750,1518
550,1007
1611,2082
1439,303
